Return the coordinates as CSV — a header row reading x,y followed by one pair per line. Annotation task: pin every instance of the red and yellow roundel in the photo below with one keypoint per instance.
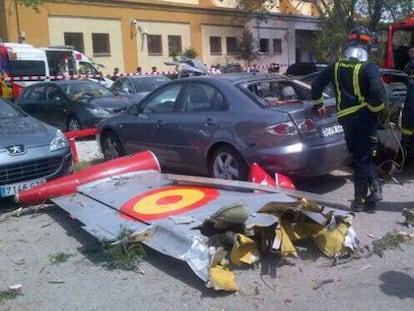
x,y
167,201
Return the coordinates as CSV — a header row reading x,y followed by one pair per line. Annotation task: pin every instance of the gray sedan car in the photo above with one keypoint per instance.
x,y
71,104
138,86
31,152
220,125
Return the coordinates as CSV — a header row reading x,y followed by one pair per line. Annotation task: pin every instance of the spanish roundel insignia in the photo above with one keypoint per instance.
x,y
167,201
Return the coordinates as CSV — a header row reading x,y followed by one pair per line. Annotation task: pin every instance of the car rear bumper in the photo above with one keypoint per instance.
x,y
303,160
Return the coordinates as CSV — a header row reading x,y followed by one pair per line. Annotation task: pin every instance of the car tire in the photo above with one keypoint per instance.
x,y
111,146
73,124
227,163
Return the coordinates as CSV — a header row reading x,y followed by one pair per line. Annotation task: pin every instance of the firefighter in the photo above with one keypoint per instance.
x,y
407,121
360,105
409,67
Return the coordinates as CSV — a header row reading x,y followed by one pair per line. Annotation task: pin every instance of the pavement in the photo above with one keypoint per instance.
x,y
311,282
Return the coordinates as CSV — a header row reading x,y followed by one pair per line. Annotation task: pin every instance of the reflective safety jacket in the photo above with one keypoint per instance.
x,y
357,85
407,122
409,69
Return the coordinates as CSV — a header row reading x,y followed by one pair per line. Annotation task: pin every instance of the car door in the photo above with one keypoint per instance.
x,y
146,130
57,106
191,130
33,101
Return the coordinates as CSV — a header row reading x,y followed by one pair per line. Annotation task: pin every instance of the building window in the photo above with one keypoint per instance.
x,y
231,43
174,45
100,44
264,46
215,45
154,45
277,46
74,39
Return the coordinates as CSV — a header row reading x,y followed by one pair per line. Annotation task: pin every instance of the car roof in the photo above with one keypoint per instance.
x,y
145,76
61,82
237,77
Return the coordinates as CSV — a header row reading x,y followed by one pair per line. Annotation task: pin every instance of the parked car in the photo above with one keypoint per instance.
x,y
71,104
303,69
31,152
138,85
219,125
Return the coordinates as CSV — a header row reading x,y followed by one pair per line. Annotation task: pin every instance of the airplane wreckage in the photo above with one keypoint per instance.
x,y
210,224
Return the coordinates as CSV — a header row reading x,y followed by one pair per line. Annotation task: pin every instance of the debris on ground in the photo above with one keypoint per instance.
x,y
123,255
391,240
11,292
408,213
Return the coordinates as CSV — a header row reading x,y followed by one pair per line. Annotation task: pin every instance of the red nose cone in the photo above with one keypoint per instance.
x,y
145,160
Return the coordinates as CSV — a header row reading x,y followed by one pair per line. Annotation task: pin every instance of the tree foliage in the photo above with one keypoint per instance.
x,y
247,47
259,8
338,17
34,4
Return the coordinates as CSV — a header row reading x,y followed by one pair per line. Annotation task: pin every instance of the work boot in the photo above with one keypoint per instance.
x,y
361,192
358,205
376,192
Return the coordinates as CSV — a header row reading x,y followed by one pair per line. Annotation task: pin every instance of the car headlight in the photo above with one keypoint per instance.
x,y
99,112
59,141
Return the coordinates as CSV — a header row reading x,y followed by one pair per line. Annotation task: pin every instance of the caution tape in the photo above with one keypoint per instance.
x,y
119,75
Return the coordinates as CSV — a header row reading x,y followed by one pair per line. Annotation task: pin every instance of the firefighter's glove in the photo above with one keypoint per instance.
x,y
382,119
320,110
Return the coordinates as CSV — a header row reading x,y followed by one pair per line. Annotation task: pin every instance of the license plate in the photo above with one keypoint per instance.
x,y
332,130
12,189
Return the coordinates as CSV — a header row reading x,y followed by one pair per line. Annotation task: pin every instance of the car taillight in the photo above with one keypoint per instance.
x,y
306,126
283,129
290,129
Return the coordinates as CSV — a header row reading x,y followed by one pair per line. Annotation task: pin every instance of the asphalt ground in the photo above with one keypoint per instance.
x,y
28,243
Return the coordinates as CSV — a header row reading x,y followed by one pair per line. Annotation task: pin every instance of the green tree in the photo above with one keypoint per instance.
x,y
190,53
247,47
337,17
34,4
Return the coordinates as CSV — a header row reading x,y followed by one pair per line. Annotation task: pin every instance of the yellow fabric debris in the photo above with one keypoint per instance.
x,y
244,251
222,279
330,241
286,246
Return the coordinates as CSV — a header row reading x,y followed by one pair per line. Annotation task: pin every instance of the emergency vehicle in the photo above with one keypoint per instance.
x,y
20,65
400,38
68,60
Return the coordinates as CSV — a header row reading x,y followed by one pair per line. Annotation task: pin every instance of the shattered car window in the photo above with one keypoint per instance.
x,y
273,93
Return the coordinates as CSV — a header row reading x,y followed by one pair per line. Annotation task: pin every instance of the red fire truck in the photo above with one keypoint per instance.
x,y
399,39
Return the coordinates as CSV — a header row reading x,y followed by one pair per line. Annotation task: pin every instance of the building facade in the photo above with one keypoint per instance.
x,y
131,34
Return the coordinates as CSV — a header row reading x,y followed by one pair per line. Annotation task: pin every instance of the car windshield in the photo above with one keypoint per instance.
x,y
148,84
85,89
8,111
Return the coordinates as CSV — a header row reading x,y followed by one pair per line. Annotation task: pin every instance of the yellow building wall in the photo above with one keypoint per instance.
x,y
194,20
87,26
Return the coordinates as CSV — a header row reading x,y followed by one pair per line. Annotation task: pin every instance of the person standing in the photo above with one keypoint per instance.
x,y
360,105
409,67
115,74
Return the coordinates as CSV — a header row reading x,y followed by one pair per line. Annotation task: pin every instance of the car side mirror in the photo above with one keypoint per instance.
x,y
126,90
134,110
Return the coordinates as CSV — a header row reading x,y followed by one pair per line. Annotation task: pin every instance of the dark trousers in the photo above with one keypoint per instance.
x,y
360,128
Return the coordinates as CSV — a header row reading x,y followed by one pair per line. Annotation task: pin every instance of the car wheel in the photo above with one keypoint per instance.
x,y
111,146
227,163
73,124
